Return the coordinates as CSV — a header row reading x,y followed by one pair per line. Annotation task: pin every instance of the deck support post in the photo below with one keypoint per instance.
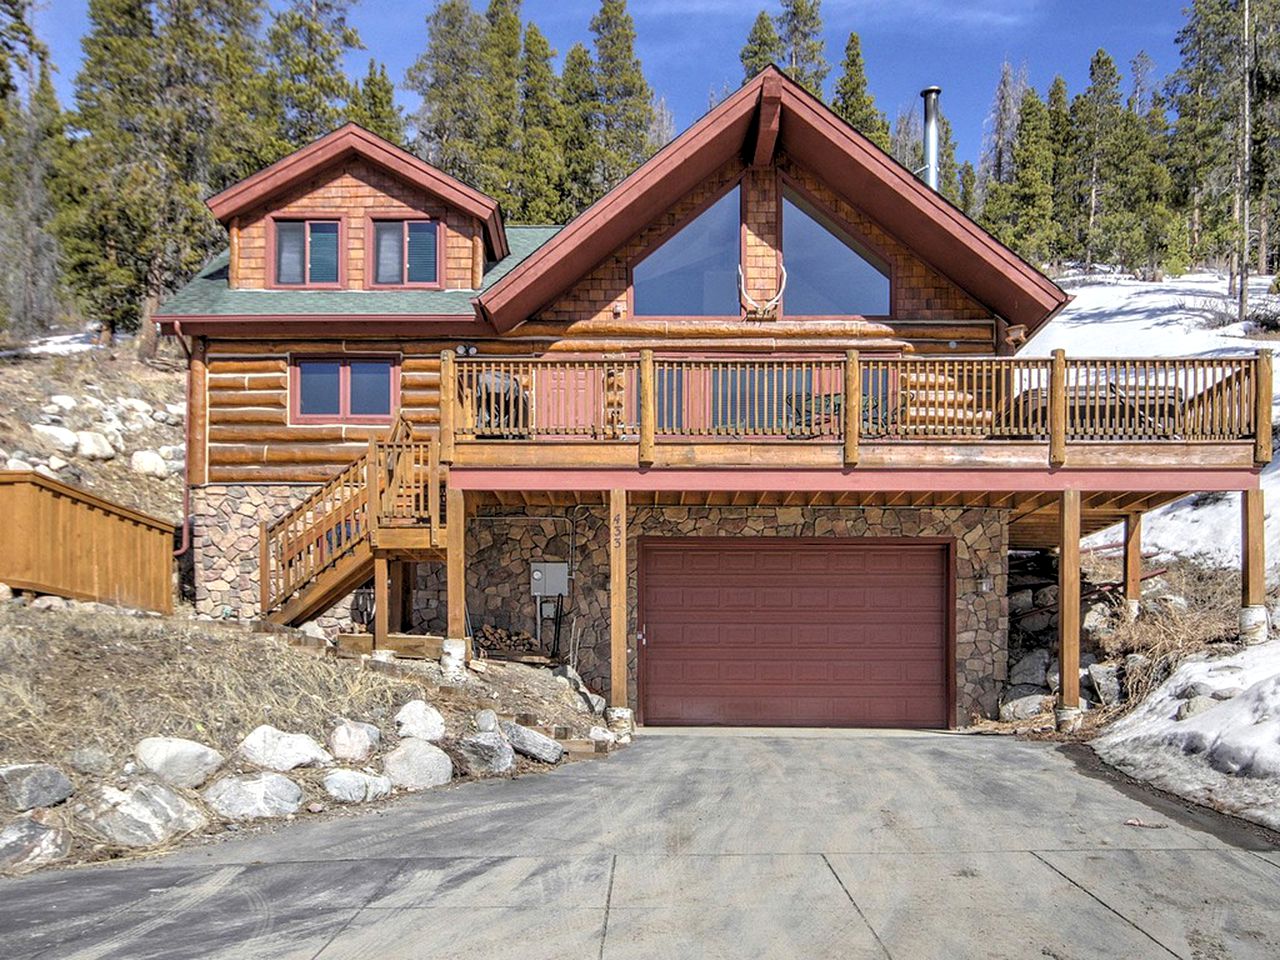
x,y
1068,713
1132,564
1253,568
852,407
381,602
395,597
648,408
456,566
264,570
618,598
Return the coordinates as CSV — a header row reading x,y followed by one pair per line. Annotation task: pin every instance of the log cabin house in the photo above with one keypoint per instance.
x,y
753,429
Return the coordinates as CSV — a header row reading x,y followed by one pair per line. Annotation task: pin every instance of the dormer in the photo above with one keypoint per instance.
x,y
352,211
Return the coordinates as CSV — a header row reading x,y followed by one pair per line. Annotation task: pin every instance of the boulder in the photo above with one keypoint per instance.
x,y
486,721
1106,682
91,445
141,815
1136,662
417,764
61,438
1024,708
57,463
1227,693
602,735
178,762
26,843
354,741
49,602
1020,601
486,754
532,744
274,749
1196,705
1046,596
1031,668
314,630
1017,690
253,796
63,402
6,593
26,786
1037,623
1096,623
1170,604
620,720
352,786
420,720
1197,688
91,760
149,463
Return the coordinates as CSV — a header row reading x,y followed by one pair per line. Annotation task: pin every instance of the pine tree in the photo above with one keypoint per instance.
x,y
854,102
33,139
626,103
996,164
449,79
580,144
1060,140
540,163
160,106
800,28
1096,116
373,105
310,90
948,172
662,128
763,47
500,51
17,42
1034,231
906,140
968,188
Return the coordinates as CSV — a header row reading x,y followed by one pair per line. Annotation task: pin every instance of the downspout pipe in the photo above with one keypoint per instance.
x,y
185,543
930,97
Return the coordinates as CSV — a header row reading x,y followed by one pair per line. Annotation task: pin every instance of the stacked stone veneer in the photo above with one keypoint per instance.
x,y
502,542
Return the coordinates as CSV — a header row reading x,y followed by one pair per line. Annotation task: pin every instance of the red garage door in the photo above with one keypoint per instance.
x,y
795,632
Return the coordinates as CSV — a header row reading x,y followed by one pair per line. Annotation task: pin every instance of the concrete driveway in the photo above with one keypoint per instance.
x,y
703,845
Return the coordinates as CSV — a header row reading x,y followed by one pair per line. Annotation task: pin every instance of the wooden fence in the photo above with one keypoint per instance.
x,y
65,541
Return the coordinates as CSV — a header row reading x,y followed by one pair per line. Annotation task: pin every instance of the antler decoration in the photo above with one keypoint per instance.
x,y
752,304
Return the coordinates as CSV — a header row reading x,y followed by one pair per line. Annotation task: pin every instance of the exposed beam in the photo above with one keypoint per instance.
x,y
768,122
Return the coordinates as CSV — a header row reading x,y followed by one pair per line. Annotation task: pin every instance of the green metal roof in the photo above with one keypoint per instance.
x,y
207,294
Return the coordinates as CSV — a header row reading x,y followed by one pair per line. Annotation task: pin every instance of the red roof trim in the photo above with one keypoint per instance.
x,y
849,164
353,140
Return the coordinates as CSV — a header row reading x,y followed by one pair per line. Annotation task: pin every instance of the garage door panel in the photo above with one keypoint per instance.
x,y
747,631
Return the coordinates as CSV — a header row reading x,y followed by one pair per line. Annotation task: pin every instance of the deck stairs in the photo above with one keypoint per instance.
x,y
939,400
388,501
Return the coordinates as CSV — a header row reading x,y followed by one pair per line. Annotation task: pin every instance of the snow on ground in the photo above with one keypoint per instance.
x,y
60,345
1227,757
1126,317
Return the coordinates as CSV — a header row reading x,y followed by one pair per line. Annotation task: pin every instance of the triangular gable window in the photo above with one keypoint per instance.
x,y
829,274
695,272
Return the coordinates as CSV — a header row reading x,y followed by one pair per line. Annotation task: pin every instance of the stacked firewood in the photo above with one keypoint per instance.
x,y
507,641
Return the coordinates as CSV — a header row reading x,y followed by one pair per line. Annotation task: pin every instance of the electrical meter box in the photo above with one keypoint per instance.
x,y
549,579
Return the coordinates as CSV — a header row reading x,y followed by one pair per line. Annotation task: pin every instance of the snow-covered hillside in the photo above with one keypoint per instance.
x,y
1122,317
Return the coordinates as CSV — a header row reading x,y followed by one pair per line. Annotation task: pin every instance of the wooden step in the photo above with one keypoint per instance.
x,y
409,646
940,398
947,416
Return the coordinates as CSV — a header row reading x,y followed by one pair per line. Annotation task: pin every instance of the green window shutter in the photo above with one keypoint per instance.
x,y
422,253
324,252
290,247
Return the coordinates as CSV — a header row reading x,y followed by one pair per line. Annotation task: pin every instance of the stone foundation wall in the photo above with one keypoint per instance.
x,y
502,542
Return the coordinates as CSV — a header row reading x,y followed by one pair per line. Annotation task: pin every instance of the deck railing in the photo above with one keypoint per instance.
x,y
851,400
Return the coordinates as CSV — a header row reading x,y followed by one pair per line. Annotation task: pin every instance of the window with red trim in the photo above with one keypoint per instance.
x,y
352,389
307,252
406,253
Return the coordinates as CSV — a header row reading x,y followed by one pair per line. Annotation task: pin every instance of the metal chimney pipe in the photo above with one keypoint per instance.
x,y
930,97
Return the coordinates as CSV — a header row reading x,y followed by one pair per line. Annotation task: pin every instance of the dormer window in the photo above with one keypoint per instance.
x,y
307,253
406,253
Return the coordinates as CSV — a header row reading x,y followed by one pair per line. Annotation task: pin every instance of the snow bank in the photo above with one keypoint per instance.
x,y
1226,757
1125,317
60,345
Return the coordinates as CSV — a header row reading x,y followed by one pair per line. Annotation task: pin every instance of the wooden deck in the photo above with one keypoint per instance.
x,y
857,412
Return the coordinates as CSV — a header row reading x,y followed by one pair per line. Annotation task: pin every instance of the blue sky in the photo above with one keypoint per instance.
x,y
691,46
